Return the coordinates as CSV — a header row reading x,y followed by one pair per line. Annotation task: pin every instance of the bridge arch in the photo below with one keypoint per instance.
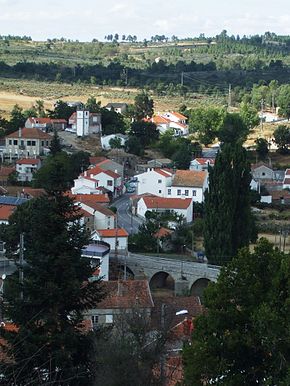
x,y
199,286
162,281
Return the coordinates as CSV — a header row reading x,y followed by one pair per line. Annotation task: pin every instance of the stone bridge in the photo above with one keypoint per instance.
x,y
184,277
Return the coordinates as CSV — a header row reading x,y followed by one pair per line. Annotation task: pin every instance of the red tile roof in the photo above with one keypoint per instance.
x,y
98,198
205,161
28,161
189,178
286,181
98,207
167,203
124,294
6,211
33,133
41,121
96,160
163,232
32,192
178,115
120,232
5,171
97,170
163,172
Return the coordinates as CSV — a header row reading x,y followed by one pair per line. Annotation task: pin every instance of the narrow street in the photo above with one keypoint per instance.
x,y
125,219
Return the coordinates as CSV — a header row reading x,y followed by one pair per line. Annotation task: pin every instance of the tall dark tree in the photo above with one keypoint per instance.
x,y
146,132
61,110
262,147
233,129
229,224
243,338
17,118
144,106
282,138
49,346
55,145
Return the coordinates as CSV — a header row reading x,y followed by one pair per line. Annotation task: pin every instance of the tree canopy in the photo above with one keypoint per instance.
x,y
243,337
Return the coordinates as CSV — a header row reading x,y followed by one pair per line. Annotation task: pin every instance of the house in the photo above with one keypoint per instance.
x,y
112,237
262,171
25,143
45,124
123,297
5,172
154,181
180,206
162,123
108,164
29,193
92,198
154,163
85,123
105,140
119,108
189,183
98,254
95,178
201,163
103,218
5,212
26,167
177,122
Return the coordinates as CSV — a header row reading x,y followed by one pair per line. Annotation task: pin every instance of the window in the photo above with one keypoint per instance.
x,y
186,192
159,181
33,143
46,143
15,142
10,141
169,192
194,192
179,192
159,191
28,143
22,142
109,318
95,319
109,183
42,143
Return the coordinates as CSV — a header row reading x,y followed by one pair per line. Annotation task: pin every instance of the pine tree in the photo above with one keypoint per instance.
x,y
55,146
228,218
49,346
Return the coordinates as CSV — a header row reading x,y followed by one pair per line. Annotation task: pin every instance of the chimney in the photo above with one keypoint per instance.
x,y
19,132
91,176
85,173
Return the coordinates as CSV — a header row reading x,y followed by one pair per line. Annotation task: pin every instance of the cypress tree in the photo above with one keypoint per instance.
x,y
47,307
228,218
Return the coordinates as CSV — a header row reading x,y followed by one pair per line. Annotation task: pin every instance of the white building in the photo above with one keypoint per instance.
x,y
92,179
119,108
189,183
113,236
181,206
286,181
103,218
26,167
154,181
105,140
177,122
201,163
262,171
98,254
85,123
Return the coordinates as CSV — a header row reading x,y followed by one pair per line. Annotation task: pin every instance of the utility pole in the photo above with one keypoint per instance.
x,y
116,236
21,259
262,114
182,78
230,97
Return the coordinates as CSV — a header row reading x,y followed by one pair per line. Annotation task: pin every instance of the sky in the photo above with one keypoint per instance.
x,y
88,19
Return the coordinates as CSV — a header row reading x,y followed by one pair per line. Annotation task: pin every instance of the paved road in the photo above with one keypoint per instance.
x,y
125,219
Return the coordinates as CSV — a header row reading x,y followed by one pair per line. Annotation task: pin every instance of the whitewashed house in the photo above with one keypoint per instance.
x,y
177,122
154,181
105,140
25,143
98,254
94,178
26,167
103,218
190,184
118,107
5,212
180,206
262,171
115,236
201,163
286,181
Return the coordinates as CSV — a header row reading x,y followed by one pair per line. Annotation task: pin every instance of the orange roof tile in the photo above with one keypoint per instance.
x,y
33,192
191,178
6,211
5,171
98,198
97,170
124,294
178,115
163,232
120,232
205,161
28,161
167,203
33,133
163,172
